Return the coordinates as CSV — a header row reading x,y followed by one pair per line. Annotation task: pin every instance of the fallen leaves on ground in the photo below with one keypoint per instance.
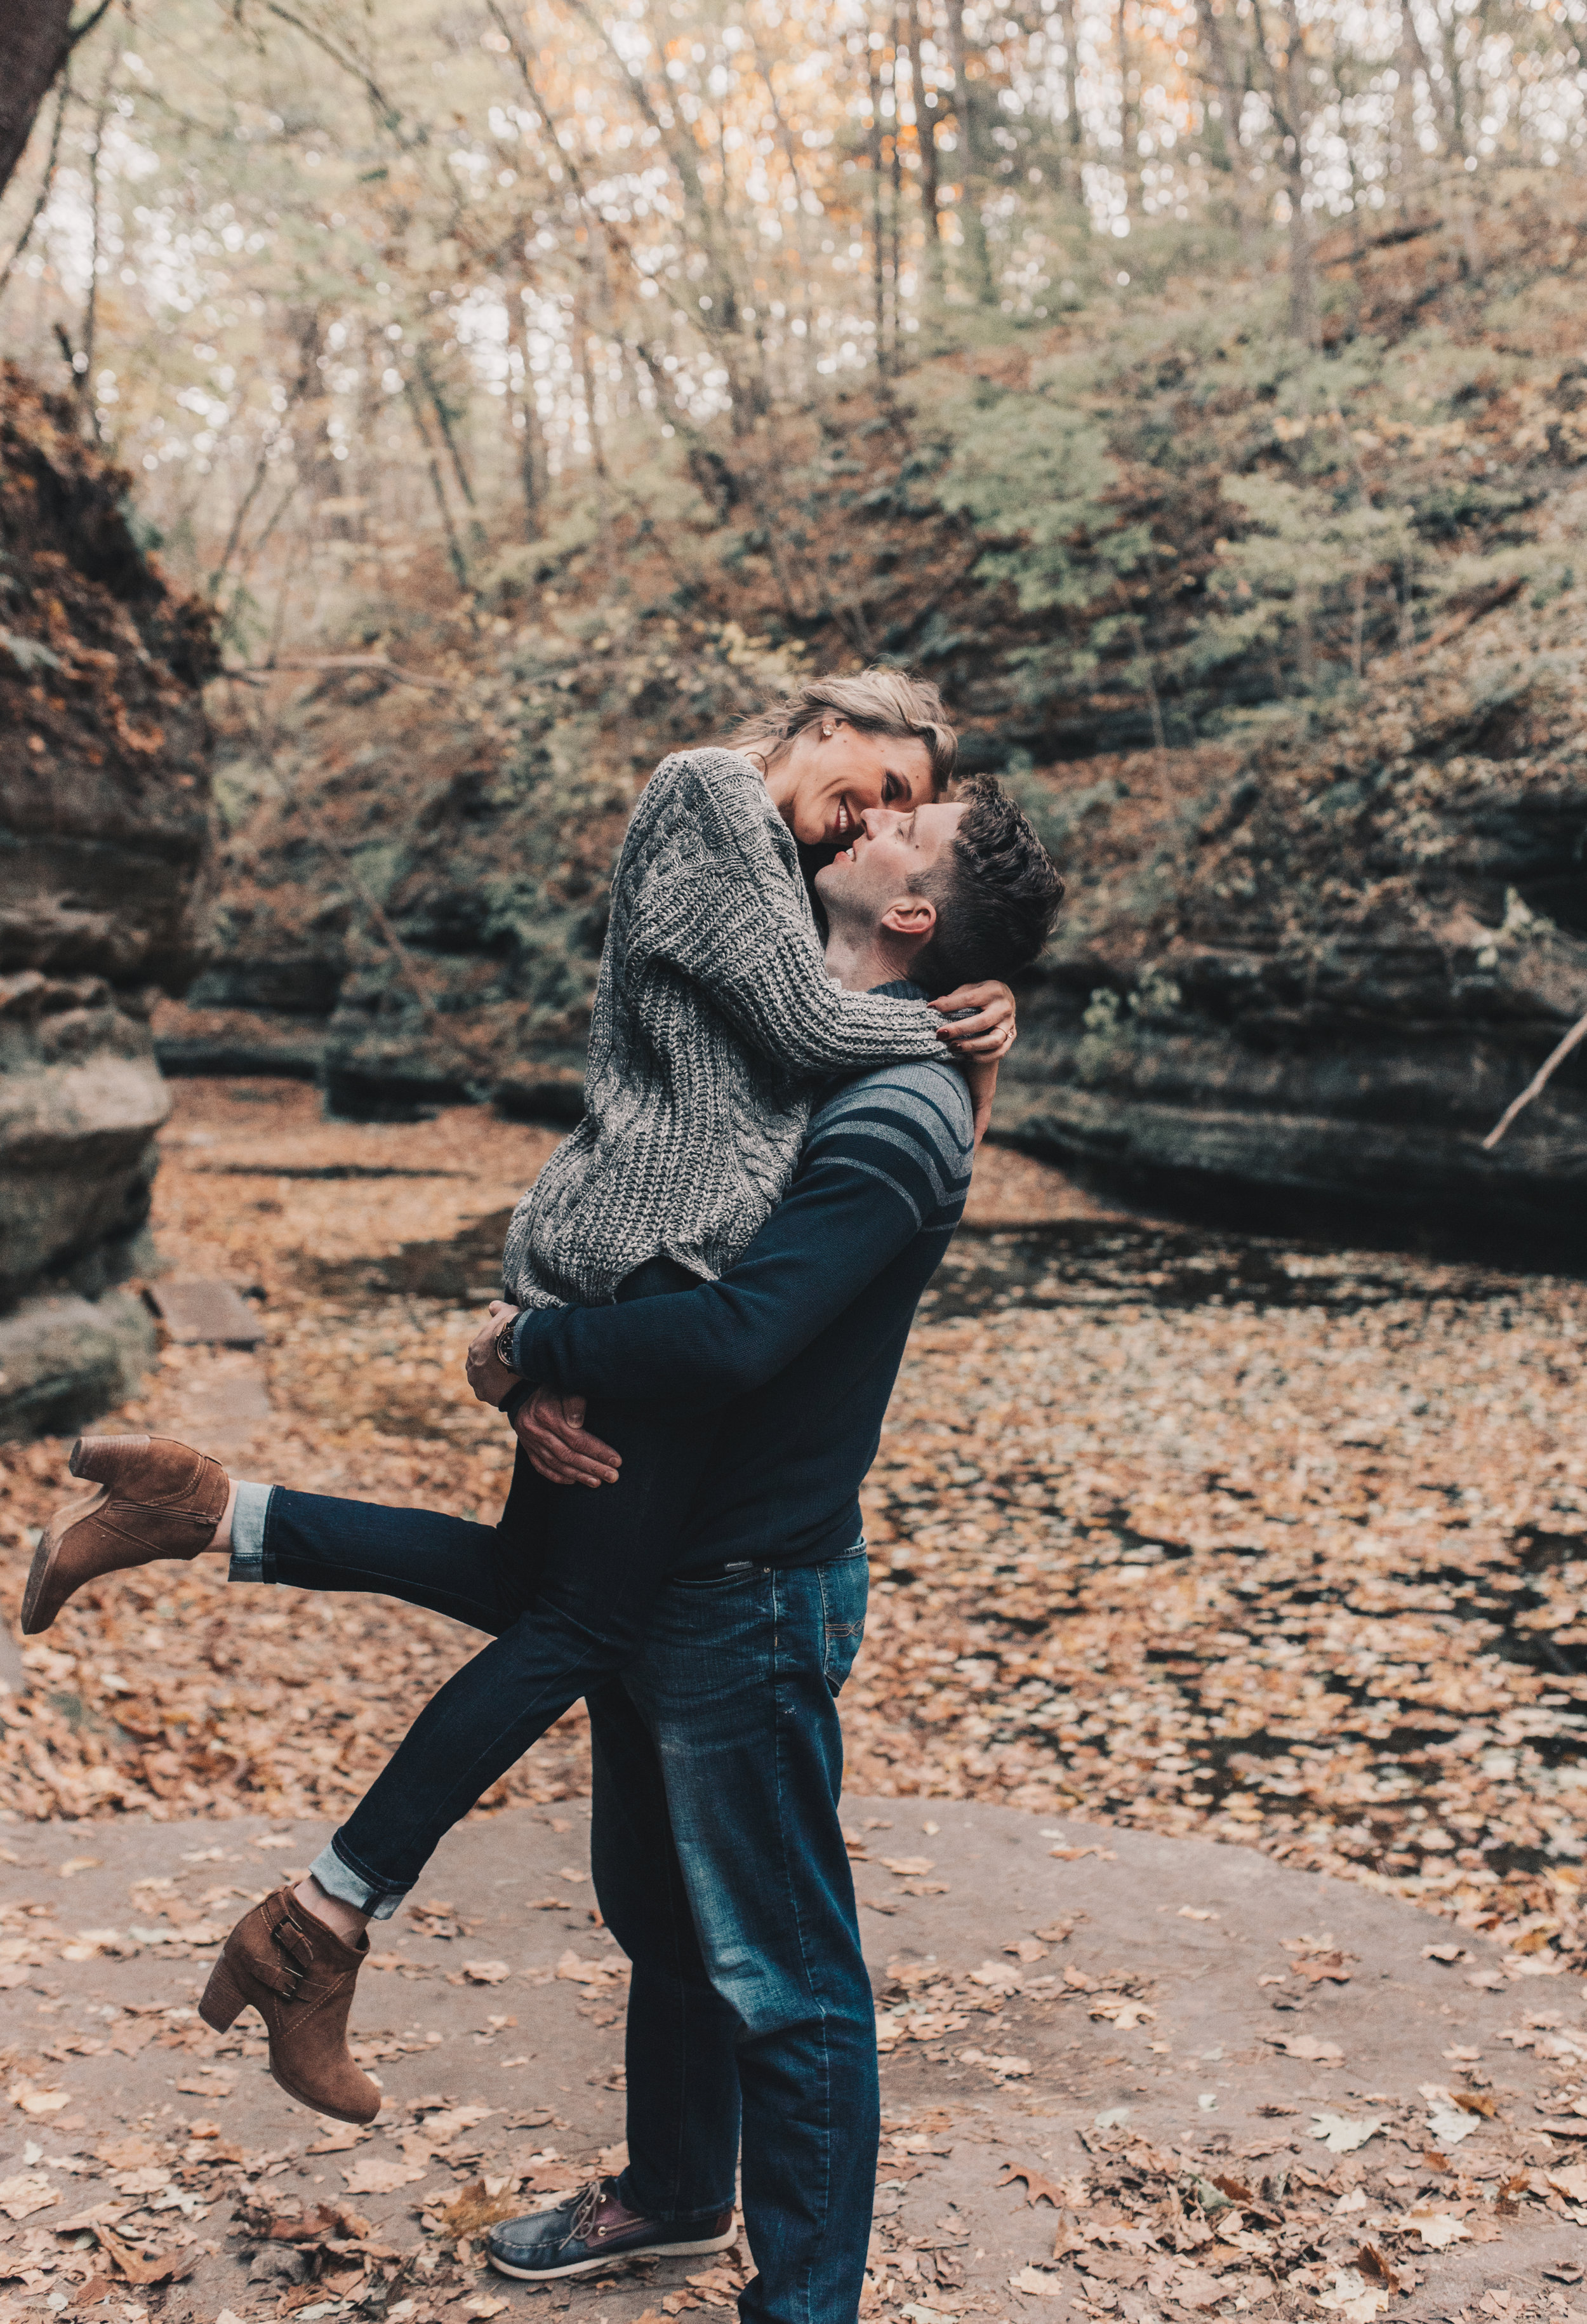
x,y
925,2003
1277,1545
1209,2227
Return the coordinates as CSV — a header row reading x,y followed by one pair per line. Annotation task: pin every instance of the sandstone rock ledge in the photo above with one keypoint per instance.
x,y
106,848
1314,975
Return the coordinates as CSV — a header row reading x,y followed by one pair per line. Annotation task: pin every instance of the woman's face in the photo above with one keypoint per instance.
x,y
829,774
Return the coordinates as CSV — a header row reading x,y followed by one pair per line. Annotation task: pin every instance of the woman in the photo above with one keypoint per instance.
x,y
714,1023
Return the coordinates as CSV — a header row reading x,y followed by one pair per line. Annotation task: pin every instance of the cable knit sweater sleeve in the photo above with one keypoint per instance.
x,y
722,902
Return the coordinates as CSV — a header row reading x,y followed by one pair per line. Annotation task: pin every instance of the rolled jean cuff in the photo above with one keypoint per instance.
x,y
631,2196
353,1884
251,1562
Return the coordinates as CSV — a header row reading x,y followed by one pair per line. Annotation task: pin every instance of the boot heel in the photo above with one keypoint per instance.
x,y
86,1448
223,1999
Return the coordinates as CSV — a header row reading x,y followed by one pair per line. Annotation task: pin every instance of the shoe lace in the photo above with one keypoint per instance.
x,y
586,2209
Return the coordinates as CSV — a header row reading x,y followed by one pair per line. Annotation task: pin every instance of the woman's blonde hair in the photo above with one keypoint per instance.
x,y
875,702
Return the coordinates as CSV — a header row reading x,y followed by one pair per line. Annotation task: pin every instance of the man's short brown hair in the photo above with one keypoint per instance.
x,y
997,896
876,701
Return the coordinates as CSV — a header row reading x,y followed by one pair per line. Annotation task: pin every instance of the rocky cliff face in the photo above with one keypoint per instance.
x,y
1317,974
1321,928
414,901
104,854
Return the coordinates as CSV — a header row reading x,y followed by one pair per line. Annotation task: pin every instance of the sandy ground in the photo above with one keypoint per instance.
x,y
1139,2078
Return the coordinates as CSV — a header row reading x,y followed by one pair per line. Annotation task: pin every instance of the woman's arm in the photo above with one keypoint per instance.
x,y
716,897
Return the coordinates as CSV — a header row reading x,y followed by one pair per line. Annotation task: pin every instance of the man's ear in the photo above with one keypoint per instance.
x,y
911,916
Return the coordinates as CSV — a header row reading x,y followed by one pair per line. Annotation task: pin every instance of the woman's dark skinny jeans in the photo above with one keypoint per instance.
x,y
565,1582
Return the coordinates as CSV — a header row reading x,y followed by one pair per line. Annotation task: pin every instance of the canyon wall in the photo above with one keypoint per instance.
x,y
105,857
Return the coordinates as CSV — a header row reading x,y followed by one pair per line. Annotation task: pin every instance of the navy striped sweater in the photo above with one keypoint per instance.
x,y
800,1342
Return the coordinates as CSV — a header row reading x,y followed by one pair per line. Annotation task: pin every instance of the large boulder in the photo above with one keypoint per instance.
x,y
81,1099
106,851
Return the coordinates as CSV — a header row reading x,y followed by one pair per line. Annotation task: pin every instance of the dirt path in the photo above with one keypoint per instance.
x,y
1088,2104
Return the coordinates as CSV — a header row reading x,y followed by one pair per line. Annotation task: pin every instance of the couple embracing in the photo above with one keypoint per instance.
x,y
708,1293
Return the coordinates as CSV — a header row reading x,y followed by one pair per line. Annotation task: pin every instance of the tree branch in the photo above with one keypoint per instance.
x,y
1538,1083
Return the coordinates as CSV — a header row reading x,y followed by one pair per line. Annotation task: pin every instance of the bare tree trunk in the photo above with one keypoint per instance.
x,y
1442,112
35,41
878,247
46,185
972,225
453,546
790,156
895,214
530,454
88,411
1291,107
925,137
1231,101
1408,159
1129,113
597,447
1073,183
444,417
1448,28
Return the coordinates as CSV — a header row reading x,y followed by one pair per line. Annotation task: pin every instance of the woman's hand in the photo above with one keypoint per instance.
x,y
551,1429
982,1078
488,1376
990,1033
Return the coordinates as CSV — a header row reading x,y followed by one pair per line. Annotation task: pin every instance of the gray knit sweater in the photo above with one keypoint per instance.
x,y
715,1021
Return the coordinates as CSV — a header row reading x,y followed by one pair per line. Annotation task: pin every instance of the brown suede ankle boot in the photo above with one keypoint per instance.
x,y
300,1975
157,1499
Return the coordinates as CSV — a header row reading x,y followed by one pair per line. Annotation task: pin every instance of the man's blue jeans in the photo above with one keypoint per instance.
x,y
721,1870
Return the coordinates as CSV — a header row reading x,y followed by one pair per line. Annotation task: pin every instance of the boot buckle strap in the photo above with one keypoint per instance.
x,y
296,1968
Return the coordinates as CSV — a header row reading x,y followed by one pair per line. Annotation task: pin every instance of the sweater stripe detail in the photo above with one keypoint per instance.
x,y
922,1094
894,1185
901,1128
934,1093
928,1163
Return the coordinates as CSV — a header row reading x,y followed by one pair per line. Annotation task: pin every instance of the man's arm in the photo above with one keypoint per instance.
x,y
885,1159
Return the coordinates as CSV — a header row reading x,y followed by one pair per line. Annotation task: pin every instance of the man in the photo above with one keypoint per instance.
x,y
719,1861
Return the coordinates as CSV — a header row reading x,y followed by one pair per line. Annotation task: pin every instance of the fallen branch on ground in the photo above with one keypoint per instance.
x,y
1538,1083
376,662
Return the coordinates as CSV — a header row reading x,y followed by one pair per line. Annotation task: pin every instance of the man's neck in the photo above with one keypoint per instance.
x,y
859,963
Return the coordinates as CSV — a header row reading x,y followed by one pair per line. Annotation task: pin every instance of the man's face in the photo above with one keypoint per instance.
x,y
867,885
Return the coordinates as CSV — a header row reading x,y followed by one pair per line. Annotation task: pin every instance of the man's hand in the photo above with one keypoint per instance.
x,y
551,1429
990,1033
488,1376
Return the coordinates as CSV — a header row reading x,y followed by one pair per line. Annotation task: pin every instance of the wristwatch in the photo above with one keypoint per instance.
x,y
504,1344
